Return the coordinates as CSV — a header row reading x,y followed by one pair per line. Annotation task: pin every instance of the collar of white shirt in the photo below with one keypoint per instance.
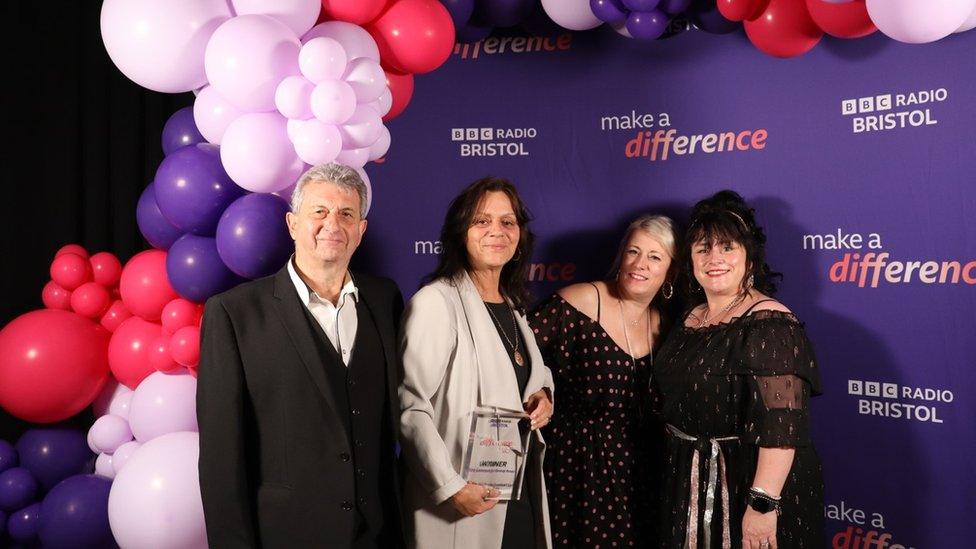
x,y
305,293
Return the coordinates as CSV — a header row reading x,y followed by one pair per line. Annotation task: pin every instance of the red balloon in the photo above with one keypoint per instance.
x,y
843,20
115,316
414,36
359,12
91,300
76,249
159,355
179,313
401,87
70,271
129,350
106,268
785,29
741,10
184,346
52,365
56,297
144,285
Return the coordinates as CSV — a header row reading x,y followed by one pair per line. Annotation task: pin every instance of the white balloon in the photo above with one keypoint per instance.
x,y
317,142
354,39
362,129
384,103
321,59
379,148
293,97
333,101
366,78
571,14
299,15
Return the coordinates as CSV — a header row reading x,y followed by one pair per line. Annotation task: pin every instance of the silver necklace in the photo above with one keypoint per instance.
x,y
725,310
519,359
623,322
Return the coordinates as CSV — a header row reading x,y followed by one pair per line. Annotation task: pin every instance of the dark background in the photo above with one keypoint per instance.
x,y
80,142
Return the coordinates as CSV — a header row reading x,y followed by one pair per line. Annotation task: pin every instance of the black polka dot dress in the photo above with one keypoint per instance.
x,y
595,467
725,391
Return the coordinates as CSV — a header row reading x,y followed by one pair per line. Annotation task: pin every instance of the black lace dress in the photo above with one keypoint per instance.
x,y
725,391
596,471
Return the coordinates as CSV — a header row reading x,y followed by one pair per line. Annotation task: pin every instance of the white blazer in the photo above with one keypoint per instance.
x,y
455,363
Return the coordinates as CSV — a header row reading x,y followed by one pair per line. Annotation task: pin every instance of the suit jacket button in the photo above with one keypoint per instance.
x,y
344,456
346,506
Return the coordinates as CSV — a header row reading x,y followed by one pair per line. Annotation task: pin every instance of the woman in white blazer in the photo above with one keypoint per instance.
x,y
466,347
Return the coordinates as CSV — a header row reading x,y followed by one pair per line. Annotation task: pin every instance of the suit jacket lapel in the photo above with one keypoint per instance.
x,y
289,309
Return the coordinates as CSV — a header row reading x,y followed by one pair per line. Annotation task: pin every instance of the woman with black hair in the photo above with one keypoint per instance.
x,y
733,383
466,348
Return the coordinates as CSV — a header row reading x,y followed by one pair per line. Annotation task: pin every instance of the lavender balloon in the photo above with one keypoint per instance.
x,y
8,456
647,25
103,466
192,188
196,271
501,13
109,432
155,228
611,11
460,10
22,525
74,515
122,455
17,488
181,130
252,238
53,454
164,403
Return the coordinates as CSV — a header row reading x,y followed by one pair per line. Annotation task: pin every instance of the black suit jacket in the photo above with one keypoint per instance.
x,y
274,455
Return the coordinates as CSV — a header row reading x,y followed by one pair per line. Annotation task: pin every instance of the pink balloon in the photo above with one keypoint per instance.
x,y
91,300
159,355
919,21
354,158
155,499
316,142
103,466
571,14
76,249
163,403
128,351
117,314
109,432
362,129
333,101
56,297
179,313
366,78
382,144
184,346
123,453
212,114
322,59
354,39
299,15
160,45
106,268
257,155
293,96
105,402
144,285
248,56
70,271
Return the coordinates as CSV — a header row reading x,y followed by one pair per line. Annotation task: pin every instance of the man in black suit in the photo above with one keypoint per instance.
x,y
296,398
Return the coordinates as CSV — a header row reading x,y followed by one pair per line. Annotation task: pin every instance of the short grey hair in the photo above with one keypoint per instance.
x,y
658,227
341,176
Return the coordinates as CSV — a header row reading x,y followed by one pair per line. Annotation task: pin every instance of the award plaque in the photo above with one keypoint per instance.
x,y
496,453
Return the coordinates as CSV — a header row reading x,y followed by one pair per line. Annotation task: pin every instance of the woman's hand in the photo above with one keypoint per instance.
x,y
758,529
539,407
474,499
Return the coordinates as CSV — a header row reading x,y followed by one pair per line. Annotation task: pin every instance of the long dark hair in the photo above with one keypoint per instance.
x,y
454,233
725,217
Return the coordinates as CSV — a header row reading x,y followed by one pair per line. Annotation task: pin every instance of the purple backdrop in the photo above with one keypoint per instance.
x,y
824,153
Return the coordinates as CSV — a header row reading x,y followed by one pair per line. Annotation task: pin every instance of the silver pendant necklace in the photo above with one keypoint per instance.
x,y
623,322
725,310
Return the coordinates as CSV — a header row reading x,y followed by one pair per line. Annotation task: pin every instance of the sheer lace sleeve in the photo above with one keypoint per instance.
x,y
778,362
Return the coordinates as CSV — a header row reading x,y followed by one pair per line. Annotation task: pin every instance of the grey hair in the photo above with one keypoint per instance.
x,y
341,176
658,227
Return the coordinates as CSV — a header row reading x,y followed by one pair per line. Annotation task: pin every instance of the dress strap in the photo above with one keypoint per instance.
x,y
751,307
595,287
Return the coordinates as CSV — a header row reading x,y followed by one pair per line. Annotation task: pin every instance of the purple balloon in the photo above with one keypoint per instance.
x,y
3,523
469,34
611,11
22,526
192,188
705,15
155,228
501,13
460,10
647,25
53,454
538,22
252,238
180,131
640,5
673,7
8,456
75,514
195,269
17,488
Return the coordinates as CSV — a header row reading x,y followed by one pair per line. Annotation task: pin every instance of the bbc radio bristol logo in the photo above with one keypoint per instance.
x,y
894,401
892,111
493,141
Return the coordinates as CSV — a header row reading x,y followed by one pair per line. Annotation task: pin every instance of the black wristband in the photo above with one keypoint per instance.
x,y
763,503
